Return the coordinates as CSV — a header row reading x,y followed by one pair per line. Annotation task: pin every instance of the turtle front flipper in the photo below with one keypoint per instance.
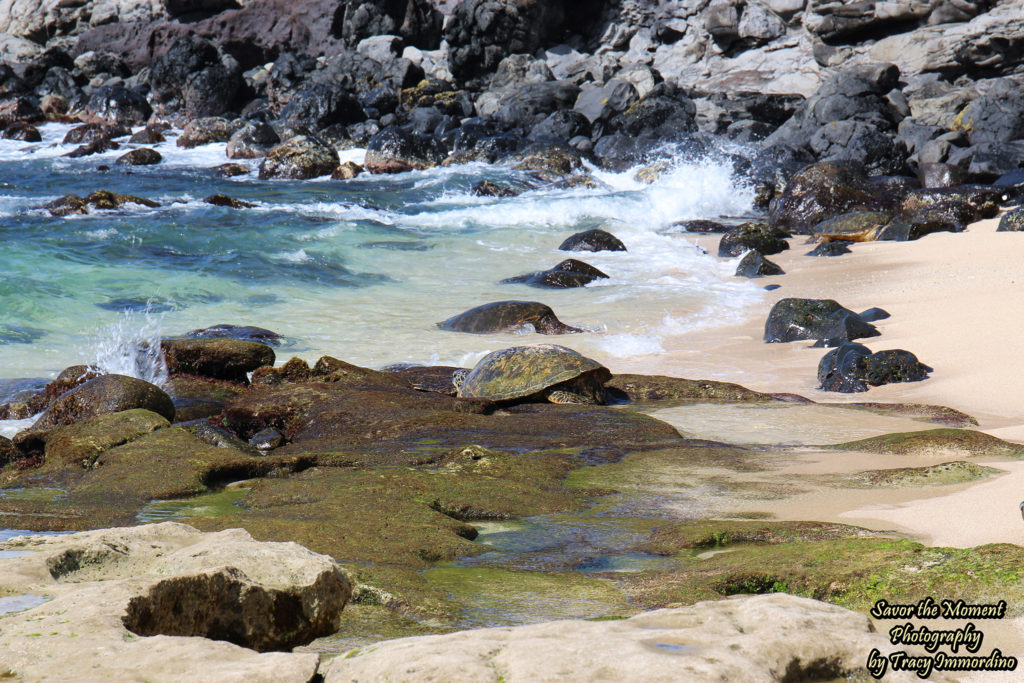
x,y
564,396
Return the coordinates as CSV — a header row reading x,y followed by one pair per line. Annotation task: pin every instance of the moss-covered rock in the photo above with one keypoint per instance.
x,y
752,236
679,390
957,472
847,566
105,394
822,319
201,397
219,358
951,417
935,441
80,444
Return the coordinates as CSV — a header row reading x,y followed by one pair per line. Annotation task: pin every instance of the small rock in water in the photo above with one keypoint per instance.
x,y
225,200
230,170
143,156
347,171
568,273
485,188
150,135
19,130
701,226
592,240
852,367
508,316
219,358
754,264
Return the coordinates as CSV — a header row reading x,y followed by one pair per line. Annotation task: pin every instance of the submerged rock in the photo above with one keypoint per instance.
x,y
568,273
230,170
819,319
213,601
225,200
592,240
852,368
244,332
144,156
508,316
932,441
485,188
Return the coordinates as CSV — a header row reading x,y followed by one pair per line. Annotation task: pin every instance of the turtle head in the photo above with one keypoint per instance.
x,y
458,379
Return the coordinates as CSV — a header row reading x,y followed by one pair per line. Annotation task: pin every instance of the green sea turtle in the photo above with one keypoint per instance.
x,y
535,373
508,316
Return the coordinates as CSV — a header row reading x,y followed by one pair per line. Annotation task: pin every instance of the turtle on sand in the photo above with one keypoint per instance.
x,y
535,373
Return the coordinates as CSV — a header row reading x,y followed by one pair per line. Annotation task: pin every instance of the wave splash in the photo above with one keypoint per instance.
x,y
131,346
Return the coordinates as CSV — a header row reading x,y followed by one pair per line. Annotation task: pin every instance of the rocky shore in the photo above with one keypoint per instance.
x,y
441,498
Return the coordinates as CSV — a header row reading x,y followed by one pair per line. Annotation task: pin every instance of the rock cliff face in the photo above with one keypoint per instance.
x,y
165,602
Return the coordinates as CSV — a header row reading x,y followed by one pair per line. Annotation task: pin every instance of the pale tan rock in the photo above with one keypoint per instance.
x,y
754,638
223,584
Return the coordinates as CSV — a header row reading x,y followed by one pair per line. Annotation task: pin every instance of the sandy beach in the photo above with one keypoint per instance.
x,y
955,303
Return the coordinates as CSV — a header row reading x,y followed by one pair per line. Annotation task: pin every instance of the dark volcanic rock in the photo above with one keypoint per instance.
x,y
252,141
231,170
206,130
819,319
831,248
321,105
486,188
754,264
568,273
752,236
225,200
592,240
507,316
195,78
824,190
550,164
702,226
300,157
852,368
418,22
95,147
243,332
394,150
219,358
1012,221
19,130
90,132
150,135
116,105
436,378
144,156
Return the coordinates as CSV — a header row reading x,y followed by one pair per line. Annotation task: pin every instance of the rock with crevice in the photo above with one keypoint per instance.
x,y
169,601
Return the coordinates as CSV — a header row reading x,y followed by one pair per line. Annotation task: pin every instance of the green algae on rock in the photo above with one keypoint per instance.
x,y
957,472
934,442
677,389
83,442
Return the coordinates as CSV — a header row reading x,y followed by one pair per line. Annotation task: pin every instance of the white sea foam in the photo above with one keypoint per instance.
x,y
9,428
131,346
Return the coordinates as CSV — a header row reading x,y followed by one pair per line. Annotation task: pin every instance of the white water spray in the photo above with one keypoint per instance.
x,y
131,346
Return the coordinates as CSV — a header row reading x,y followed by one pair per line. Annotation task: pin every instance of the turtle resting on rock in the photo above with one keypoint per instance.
x,y
535,373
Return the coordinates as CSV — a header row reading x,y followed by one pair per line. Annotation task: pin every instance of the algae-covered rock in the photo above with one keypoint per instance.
x,y
300,157
551,164
80,444
143,156
820,319
754,639
951,417
824,190
662,388
754,264
169,601
105,394
216,357
568,273
966,442
8,453
592,240
944,474
200,397
225,200
756,236
508,316
1012,221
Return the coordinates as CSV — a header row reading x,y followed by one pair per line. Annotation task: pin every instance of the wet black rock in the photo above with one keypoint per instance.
x,y
117,105
225,200
252,141
702,226
818,319
230,170
19,130
195,78
95,147
206,130
144,156
1012,221
824,190
873,314
831,248
568,273
754,264
243,332
90,132
852,368
485,188
300,157
752,236
218,357
150,135
266,439
592,240
394,150
508,316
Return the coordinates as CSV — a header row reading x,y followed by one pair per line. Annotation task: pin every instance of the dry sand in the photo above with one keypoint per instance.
x,y
957,302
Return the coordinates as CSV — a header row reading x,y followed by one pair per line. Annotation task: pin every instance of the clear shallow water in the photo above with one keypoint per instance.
x,y
359,269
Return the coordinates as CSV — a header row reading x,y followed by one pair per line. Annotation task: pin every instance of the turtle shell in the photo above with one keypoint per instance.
x,y
522,371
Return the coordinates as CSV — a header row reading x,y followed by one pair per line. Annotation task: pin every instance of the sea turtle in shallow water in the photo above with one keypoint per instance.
x,y
508,316
535,373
